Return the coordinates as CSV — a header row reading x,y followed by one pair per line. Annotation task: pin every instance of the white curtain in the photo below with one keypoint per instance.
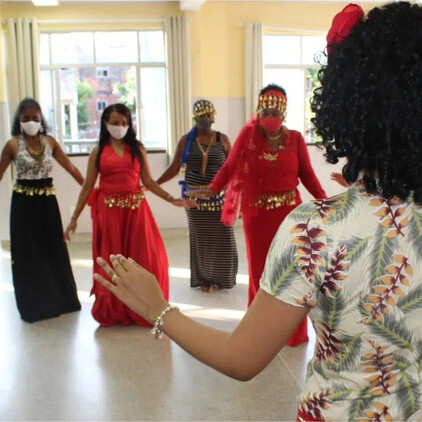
x,y
23,60
179,78
253,66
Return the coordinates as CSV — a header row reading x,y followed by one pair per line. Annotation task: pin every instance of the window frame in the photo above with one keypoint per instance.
x,y
301,67
57,127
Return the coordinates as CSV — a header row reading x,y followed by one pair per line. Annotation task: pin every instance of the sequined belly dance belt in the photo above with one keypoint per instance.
x,y
270,201
38,187
130,200
215,203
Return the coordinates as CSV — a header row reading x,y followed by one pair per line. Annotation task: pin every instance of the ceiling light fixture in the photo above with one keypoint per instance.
x,y
45,2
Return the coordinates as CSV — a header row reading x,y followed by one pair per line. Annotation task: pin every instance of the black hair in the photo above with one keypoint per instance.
x,y
28,103
369,106
129,138
273,87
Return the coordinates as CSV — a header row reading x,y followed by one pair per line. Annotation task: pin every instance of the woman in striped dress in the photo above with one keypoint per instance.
x,y
213,253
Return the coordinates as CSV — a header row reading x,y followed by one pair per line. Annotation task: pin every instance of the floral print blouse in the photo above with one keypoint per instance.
x,y
356,261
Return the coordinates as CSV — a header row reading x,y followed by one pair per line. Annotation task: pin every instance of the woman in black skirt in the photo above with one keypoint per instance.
x,y
202,152
42,275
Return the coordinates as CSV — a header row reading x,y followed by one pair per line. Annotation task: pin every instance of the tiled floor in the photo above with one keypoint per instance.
x,y
68,368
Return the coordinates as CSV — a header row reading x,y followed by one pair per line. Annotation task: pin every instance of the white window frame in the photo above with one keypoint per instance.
x,y
55,81
300,66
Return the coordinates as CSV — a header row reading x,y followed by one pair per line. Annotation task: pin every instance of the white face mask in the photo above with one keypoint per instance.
x,y
31,128
117,132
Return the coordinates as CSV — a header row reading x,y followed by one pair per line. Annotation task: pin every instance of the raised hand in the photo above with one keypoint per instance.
x,y
338,177
133,285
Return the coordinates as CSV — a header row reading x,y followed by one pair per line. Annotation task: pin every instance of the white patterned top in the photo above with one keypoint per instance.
x,y
27,167
356,261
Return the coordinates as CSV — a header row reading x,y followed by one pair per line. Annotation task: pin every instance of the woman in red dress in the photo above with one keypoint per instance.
x,y
262,173
121,218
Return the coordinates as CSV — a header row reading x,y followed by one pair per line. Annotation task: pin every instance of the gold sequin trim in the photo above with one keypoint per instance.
x,y
126,200
30,191
215,203
270,201
277,101
203,107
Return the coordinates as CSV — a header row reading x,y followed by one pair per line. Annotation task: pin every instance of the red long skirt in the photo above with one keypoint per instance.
x,y
259,233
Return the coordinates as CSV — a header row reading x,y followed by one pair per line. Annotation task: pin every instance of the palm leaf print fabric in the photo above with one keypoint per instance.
x,y
355,260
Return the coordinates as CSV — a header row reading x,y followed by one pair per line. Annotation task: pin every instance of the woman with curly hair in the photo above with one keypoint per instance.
x,y
122,221
351,262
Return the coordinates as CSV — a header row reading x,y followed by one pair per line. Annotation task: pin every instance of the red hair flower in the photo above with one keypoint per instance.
x,y
343,23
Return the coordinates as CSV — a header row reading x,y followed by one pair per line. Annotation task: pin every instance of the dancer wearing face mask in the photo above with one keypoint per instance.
x,y
202,152
262,175
42,276
122,220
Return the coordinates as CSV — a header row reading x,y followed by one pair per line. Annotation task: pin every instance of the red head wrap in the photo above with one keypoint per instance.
x,y
343,23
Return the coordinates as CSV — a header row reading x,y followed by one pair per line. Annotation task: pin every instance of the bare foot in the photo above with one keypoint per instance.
x,y
206,289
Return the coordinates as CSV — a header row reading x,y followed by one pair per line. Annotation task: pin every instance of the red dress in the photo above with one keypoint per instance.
x,y
278,175
123,224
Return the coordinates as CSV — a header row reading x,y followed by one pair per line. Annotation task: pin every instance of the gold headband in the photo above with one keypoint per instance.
x,y
201,107
272,99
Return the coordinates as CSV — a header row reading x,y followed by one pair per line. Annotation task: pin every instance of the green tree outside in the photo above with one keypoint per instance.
x,y
85,92
127,90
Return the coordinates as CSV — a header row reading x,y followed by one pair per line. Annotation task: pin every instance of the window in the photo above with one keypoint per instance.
x,y
101,105
83,72
291,61
102,72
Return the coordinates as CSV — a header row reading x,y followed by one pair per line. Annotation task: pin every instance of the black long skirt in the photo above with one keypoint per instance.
x,y
42,275
213,253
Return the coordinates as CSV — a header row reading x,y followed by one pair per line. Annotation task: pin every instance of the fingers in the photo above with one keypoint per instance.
x,y
117,266
105,283
138,267
123,262
108,270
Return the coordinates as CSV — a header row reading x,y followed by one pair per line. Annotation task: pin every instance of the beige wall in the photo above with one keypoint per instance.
x,y
217,51
216,30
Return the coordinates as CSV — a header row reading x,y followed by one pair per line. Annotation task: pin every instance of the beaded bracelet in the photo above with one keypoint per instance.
x,y
156,331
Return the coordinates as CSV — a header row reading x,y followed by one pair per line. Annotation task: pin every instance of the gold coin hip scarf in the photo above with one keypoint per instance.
x,y
270,201
33,191
130,200
215,203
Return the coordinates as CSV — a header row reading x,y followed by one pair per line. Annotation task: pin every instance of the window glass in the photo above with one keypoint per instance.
x,y
90,71
152,46
116,47
281,49
72,47
154,107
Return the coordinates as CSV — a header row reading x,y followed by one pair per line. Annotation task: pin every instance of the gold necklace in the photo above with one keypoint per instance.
x,y
205,154
37,156
268,156
273,138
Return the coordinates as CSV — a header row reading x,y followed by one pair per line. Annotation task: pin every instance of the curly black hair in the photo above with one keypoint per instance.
x,y
369,106
28,103
129,138
273,87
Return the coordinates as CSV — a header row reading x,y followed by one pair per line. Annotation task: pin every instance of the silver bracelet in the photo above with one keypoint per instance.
x,y
156,331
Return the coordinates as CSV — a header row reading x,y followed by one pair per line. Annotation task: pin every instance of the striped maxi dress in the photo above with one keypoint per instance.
x,y
213,253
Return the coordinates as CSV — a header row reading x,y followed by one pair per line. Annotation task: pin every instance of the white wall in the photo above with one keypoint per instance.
x,y
230,117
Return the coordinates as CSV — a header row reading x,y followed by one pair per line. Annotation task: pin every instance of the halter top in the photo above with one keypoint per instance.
x,y
29,168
